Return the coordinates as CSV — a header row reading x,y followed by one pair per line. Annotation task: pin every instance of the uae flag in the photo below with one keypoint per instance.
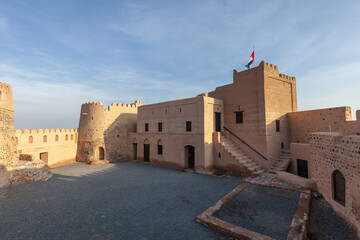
x,y
251,60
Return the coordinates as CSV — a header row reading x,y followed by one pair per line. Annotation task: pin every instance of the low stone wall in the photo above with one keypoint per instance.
x,y
331,152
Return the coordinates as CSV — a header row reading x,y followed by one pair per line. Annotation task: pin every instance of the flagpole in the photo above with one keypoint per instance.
x,y
254,57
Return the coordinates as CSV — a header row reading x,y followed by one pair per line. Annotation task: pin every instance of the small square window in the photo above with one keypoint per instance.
x,y
278,125
160,149
146,127
160,126
188,126
239,117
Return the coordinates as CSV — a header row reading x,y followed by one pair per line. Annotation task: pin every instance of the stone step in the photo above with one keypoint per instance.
x,y
241,156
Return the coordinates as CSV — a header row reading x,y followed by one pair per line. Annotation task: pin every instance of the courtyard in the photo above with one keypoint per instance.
x,y
134,200
125,200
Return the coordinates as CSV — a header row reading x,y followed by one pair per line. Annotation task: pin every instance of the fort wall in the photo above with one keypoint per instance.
x,y
7,138
336,119
53,146
332,152
105,128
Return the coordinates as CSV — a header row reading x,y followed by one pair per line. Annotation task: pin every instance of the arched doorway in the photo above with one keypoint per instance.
x,y
135,149
101,153
339,183
190,156
146,150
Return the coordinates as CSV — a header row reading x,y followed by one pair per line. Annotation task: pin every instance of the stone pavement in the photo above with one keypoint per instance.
x,y
125,200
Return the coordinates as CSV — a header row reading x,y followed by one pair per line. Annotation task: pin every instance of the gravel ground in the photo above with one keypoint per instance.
x,y
125,200
325,224
262,209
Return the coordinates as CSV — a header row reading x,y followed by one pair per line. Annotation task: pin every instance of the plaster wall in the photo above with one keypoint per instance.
x,y
334,151
173,115
59,144
300,151
280,99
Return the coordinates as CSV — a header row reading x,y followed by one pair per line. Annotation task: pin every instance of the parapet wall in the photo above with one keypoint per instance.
x,y
337,119
332,152
53,146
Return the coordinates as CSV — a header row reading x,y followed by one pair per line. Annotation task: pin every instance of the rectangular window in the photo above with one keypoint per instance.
x,y
239,117
188,126
160,126
160,149
278,125
146,127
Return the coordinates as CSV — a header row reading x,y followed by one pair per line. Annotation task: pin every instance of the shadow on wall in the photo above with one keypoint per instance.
x,y
5,176
115,136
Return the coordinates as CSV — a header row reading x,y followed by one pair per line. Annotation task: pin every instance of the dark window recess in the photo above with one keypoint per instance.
x,y
282,145
239,117
160,149
160,126
278,125
339,187
188,126
218,122
146,127
302,167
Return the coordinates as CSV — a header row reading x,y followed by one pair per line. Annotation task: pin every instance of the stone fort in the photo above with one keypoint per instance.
x,y
249,127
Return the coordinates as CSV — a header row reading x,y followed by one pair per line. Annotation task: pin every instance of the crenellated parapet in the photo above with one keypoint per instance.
x,y
98,107
35,131
6,97
273,69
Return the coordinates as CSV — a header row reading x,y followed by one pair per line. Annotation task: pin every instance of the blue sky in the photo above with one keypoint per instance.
x,y
60,54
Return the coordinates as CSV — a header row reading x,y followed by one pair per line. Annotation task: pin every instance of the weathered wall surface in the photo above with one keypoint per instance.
x,y
200,111
337,119
334,151
53,146
107,129
7,138
264,96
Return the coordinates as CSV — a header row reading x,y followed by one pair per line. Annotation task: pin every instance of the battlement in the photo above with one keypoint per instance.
x,y
5,86
286,77
99,107
125,105
35,131
272,68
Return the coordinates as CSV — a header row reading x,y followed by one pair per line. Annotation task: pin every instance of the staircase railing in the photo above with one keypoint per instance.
x,y
241,140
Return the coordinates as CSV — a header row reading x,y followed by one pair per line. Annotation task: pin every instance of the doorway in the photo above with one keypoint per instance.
x,y
190,156
101,153
44,157
146,152
302,166
135,151
217,122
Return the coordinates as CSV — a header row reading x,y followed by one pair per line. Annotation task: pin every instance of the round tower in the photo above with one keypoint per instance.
x,y
103,132
7,133
92,126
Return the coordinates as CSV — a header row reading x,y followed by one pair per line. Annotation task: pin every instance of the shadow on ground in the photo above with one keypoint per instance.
x,y
125,200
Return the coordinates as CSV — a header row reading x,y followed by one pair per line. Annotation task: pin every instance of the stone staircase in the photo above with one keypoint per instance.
x,y
282,163
241,157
